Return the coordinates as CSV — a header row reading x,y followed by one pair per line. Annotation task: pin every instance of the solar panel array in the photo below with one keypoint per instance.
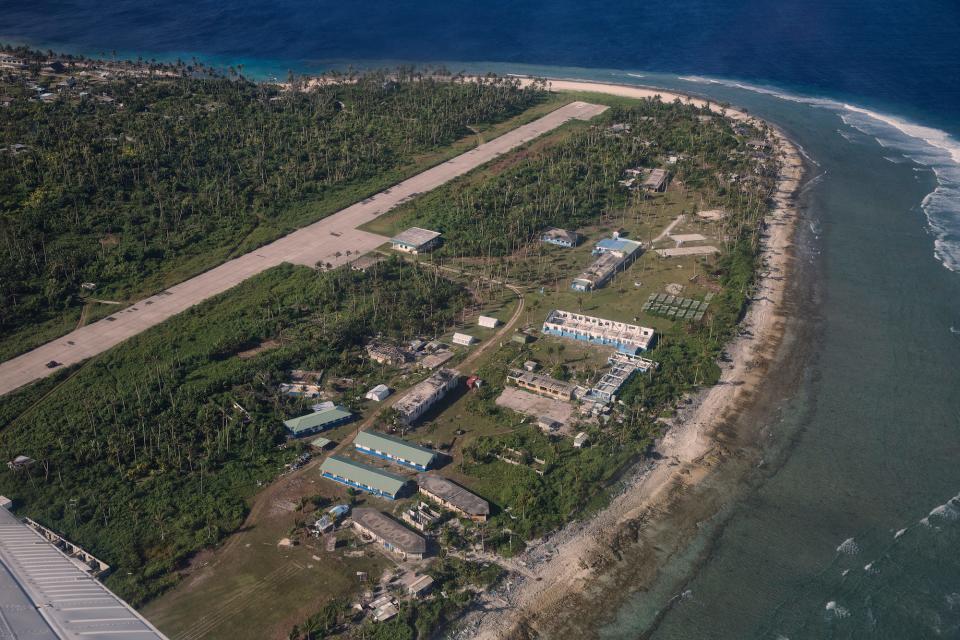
x,y
676,308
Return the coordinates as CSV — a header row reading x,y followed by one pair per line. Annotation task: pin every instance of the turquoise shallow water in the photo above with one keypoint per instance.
x,y
857,534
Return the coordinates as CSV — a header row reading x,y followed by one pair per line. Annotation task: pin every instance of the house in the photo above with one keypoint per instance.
x,y
390,534
521,338
387,612
656,180
426,394
463,339
380,445
379,393
530,365
488,322
416,585
436,359
318,421
541,384
20,462
416,240
363,477
560,237
452,496
627,338
580,440
388,354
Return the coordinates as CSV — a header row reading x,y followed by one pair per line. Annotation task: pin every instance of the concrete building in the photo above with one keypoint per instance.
x,y
463,339
416,585
383,353
379,393
452,496
541,384
317,421
613,255
488,322
560,237
581,440
627,338
46,594
622,368
392,535
380,445
426,394
416,240
363,477
656,180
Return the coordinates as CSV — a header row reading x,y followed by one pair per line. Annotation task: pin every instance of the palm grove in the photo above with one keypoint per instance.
x,y
141,178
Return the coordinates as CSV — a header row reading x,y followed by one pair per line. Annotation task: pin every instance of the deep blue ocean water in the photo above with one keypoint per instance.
x,y
857,533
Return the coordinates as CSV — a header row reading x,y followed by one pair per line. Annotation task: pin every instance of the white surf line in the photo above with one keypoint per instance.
x,y
324,241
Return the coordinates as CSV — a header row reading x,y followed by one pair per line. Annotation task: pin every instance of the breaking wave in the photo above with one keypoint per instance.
x,y
849,547
930,147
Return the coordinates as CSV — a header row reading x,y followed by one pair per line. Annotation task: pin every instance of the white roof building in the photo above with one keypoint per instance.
x,y
379,393
463,339
488,321
416,240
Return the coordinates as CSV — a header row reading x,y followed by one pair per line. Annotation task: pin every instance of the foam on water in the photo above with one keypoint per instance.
x,y
933,148
949,510
899,533
837,611
849,547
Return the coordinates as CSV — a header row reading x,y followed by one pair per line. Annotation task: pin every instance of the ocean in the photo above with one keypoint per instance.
x,y
850,526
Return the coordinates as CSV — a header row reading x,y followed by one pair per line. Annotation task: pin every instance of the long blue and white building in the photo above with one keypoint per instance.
x,y
626,338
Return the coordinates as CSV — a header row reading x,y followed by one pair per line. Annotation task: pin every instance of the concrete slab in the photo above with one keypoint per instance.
x,y
687,251
535,406
318,242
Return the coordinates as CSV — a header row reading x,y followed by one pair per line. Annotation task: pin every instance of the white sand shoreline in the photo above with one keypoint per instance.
x,y
551,570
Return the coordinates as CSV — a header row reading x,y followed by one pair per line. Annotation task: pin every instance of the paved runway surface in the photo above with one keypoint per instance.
x,y
318,242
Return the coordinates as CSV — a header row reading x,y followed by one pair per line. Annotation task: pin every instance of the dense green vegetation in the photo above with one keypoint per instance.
x,y
143,456
144,177
576,181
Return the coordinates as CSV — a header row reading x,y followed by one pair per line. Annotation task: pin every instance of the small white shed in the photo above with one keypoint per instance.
x,y
379,393
488,321
463,339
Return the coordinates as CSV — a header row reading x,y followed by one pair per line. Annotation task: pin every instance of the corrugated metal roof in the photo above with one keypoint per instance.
x,y
317,420
395,447
46,594
363,474
415,237
388,529
453,493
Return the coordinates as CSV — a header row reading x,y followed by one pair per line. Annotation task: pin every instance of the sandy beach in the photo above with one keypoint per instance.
x,y
553,573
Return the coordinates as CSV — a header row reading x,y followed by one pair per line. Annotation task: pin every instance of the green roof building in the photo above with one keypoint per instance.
x,y
374,443
318,421
363,477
